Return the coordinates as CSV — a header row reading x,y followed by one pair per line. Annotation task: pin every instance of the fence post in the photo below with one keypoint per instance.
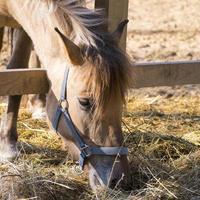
x,y
116,11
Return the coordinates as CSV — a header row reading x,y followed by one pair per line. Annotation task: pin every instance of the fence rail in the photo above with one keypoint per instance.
x,y
35,81
23,81
166,73
7,21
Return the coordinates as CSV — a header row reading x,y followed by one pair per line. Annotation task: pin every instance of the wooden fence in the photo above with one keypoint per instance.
x,y
116,10
7,21
33,81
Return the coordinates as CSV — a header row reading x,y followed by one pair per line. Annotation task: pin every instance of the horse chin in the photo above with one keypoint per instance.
x,y
8,152
104,174
96,182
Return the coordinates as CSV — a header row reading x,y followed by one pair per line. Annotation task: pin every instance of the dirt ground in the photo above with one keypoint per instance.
x,y
164,30
161,125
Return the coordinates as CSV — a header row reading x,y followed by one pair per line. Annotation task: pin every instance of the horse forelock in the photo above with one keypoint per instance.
x,y
109,76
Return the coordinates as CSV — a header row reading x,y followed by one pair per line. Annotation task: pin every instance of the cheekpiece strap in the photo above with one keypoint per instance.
x,y
63,97
63,93
56,118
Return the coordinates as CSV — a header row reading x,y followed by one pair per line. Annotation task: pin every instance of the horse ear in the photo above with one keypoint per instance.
x,y
117,34
73,50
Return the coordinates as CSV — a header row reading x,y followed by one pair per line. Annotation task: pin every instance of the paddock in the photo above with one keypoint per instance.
x,y
161,127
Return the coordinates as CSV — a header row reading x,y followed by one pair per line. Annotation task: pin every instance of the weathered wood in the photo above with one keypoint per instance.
x,y
166,74
23,81
35,81
8,21
116,10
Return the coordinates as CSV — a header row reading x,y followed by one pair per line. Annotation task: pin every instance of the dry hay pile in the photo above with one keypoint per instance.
x,y
162,135
164,144
42,169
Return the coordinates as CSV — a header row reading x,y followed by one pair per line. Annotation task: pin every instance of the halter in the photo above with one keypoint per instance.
x,y
85,150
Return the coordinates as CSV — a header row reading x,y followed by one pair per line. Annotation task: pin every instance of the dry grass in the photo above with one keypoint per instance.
x,y
162,135
42,170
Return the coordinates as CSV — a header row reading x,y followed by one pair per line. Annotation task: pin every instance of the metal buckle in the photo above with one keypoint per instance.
x,y
84,155
63,104
85,150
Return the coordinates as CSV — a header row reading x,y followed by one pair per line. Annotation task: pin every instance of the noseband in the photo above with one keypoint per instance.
x,y
85,150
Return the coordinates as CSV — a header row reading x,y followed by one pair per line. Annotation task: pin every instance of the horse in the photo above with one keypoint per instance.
x,y
94,73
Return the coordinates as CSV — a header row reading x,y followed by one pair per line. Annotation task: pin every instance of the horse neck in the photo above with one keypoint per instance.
x,y
46,42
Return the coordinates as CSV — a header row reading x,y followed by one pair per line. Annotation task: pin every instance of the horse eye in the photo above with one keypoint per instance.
x,y
85,103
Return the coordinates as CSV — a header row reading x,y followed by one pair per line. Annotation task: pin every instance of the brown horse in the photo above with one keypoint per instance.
x,y
97,81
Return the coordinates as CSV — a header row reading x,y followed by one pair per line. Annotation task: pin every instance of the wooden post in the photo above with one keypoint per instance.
x,y
116,11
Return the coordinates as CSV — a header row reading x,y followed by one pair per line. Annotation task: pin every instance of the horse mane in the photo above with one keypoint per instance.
x,y
73,15
109,77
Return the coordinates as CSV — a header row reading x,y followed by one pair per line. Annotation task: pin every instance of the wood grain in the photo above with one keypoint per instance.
x,y
35,81
23,81
8,21
116,11
166,73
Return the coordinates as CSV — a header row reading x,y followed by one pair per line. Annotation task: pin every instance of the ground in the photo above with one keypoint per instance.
x,y
161,125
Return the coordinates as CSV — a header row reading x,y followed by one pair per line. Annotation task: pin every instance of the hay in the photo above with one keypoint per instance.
x,y
162,136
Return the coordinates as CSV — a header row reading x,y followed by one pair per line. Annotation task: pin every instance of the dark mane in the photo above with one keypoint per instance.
x,y
110,76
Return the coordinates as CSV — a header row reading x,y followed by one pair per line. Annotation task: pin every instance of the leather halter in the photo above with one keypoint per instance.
x,y
85,150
